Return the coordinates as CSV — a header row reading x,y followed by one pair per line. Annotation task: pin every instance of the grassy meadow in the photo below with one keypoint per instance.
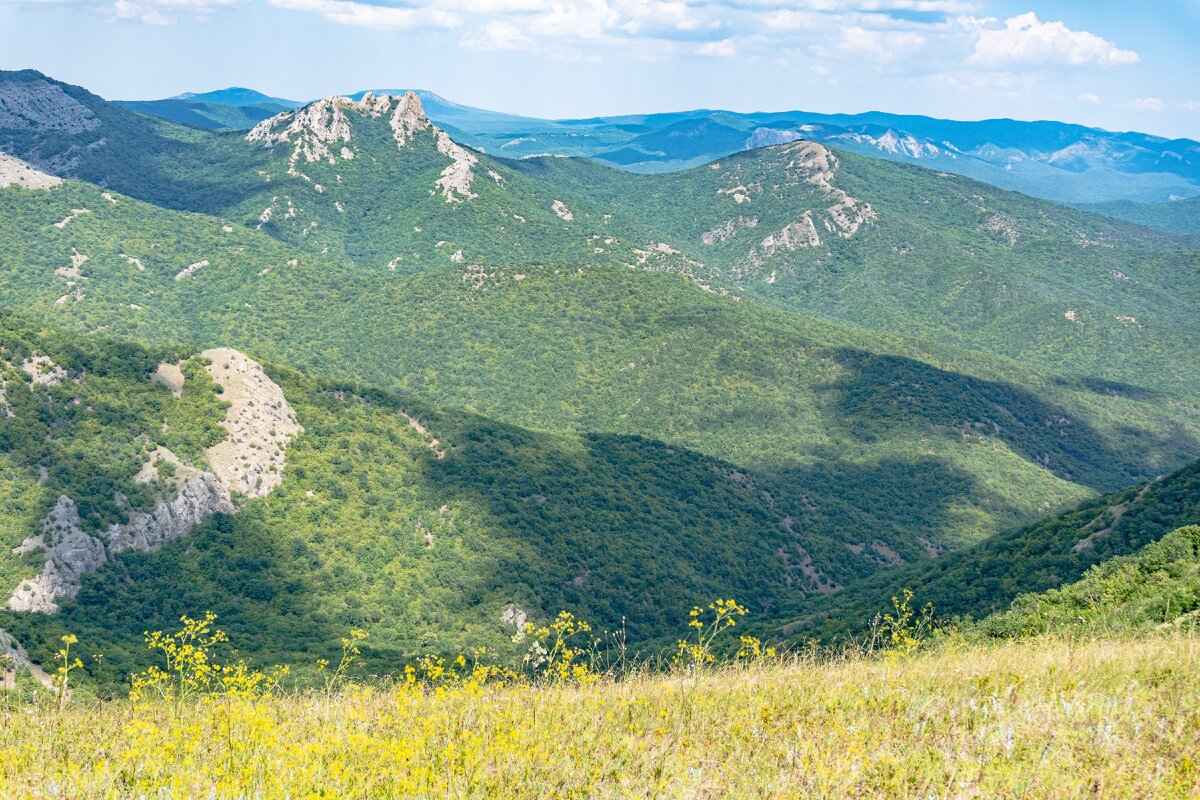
x,y
1043,717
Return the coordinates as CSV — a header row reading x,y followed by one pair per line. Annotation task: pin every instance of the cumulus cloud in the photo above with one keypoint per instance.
x,y
1190,105
1147,104
1089,97
1024,39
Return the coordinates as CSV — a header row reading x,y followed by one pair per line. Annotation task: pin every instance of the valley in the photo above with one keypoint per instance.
x,y
491,389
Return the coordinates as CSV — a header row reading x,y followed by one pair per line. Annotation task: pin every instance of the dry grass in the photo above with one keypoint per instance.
x,y
1035,719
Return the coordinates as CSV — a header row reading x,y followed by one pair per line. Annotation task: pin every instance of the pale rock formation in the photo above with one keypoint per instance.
x,y
259,420
75,212
561,211
20,659
1004,225
318,127
191,269
801,233
813,164
169,376
77,260
728,229
15,172
43,371
455,180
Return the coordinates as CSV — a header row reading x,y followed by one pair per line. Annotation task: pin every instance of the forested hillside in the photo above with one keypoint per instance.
x,y
1047,555
1156,588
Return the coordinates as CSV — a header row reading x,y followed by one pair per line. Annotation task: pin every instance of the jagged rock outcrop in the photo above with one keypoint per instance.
x,y
15,172
250,462
813,164
72,553
319,128
801,233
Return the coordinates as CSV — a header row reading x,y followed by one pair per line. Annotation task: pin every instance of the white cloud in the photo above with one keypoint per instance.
x,y
879,45
366,15
496,35
724,47
166,12
1089,97
1025,39
1190,105
1147,104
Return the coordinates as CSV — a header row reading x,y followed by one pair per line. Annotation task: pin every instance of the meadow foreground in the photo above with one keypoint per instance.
x,y
1045,718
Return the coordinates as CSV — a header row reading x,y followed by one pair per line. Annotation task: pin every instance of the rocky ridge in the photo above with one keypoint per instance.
x,y
807,163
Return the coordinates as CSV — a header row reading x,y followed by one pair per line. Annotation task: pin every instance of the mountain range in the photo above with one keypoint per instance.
x,y
345,369
1052,160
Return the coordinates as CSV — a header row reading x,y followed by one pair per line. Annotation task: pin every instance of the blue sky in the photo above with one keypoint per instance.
x,y
1119,65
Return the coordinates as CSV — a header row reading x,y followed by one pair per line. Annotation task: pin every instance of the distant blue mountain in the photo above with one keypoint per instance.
x,y
237,96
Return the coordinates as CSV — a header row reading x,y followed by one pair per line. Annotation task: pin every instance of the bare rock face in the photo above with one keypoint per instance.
x,y
44,106
198,498
250,462
13,649
15,172
260,423
70,554
801,233
408,119
43,371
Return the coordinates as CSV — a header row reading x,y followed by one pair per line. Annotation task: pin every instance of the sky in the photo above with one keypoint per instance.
x,y
1115,64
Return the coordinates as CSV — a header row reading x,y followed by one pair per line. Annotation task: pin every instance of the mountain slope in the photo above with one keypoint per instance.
x,y
1156,587
234,109
833,421
1179,216
1053,160
829,366
238,97
423,526
986,578
917,252
70,132
903,249
210,116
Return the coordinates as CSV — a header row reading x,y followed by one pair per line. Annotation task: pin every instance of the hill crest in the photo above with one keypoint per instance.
x,y
316,129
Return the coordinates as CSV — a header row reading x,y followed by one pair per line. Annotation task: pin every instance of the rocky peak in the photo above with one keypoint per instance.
x,y
326,121
408,118
322,132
